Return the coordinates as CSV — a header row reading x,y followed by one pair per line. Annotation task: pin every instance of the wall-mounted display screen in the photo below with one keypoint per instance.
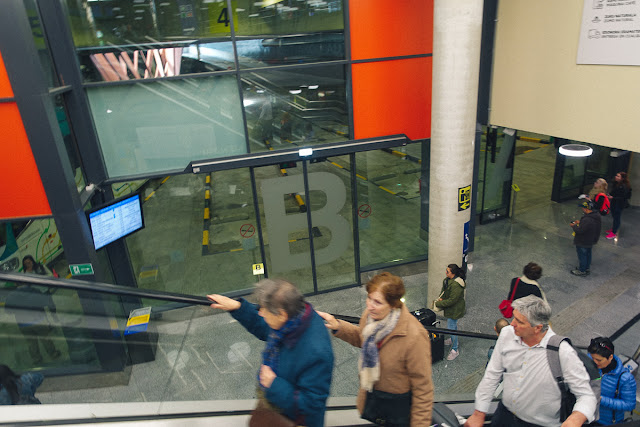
x,y
116,220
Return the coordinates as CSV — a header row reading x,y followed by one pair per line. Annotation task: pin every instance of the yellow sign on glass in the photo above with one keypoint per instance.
x,y
220,18
258,269
464,198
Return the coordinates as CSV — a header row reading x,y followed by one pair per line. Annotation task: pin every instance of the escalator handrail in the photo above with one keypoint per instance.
x,y
433,329
83,285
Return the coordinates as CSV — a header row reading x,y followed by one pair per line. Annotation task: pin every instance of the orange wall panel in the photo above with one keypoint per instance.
x,y
383,28
392,97
21,190
5,86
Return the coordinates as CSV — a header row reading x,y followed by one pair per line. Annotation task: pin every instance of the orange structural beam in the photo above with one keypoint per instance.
x,y
21,191
383,28
392,97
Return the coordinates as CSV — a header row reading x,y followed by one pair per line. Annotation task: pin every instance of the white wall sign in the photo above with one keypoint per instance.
x,y
610,32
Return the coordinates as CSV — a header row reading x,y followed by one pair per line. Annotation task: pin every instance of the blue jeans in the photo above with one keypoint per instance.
x,y
584,258
453,324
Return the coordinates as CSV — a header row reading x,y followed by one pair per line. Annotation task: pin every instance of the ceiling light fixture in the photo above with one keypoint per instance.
x,y
575,150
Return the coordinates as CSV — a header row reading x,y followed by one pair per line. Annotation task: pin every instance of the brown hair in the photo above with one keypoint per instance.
x,y
532,270
389,285
625,180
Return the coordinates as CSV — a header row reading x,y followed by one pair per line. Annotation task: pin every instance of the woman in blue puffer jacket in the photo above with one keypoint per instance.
x,y
618,387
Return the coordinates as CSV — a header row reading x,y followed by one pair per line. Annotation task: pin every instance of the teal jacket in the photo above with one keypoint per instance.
x,y
453,298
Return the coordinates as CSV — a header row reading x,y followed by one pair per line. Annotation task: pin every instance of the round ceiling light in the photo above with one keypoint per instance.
x,y
576,150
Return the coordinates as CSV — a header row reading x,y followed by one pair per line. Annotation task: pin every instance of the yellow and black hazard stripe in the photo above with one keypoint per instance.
x,y
207,214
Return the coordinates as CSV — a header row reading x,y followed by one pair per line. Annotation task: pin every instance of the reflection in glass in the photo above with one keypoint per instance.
x,y
290,49
497,171
284,223
288,17
69,142
41,43
37,239
43,327
154,60
389,205
198,230
331,204
121,40
165,125
303,106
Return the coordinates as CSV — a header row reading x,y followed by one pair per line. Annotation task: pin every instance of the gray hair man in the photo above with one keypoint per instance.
x,y
531,395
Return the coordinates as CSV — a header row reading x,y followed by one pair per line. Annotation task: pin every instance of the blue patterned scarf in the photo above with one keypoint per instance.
x,y
373,333
287,335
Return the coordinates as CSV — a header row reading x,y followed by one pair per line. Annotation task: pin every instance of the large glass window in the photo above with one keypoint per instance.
x,y
41,43
164,125
496,171
296,106
119,39
330,201
124,39
389,206
285,226
69,142
200,234
288,16
39,327
290,49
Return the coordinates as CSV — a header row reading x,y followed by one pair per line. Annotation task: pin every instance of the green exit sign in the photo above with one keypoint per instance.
x,y
81,269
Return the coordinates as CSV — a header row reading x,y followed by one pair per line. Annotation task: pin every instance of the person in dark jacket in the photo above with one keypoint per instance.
x,y
617,388
297,362
620,193
453,302
18,389
527,283
587,231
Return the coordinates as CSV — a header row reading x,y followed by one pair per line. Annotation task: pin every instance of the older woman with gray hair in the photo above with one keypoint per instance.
x,y
297,362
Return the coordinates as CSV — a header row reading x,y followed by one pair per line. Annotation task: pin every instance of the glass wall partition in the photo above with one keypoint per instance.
x,y
496,165
200,234
296,106
164,125
389,206
331,204
118,40
285,228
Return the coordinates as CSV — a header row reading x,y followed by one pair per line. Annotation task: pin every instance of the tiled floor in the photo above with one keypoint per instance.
x,y
202,355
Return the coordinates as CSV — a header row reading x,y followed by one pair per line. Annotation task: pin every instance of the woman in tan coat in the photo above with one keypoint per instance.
x,y
395,361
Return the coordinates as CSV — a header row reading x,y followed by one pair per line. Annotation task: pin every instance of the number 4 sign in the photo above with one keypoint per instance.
x,y
219,21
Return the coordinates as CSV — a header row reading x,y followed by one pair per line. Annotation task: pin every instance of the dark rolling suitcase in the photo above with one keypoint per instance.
x,y
428,318
437,347
425,316
443,416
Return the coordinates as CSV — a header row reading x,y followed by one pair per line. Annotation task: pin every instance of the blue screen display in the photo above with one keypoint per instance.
x,y
116,221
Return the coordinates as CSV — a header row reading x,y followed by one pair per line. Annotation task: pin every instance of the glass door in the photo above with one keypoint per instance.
x,y
496,173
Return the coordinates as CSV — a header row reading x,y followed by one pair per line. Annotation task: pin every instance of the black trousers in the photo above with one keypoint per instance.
x,y
504,418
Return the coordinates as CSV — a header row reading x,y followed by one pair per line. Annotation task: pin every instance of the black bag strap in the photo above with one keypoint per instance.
x,y
615,396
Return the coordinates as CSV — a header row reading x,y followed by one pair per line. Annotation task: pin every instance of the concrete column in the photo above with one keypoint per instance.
x,y
457,31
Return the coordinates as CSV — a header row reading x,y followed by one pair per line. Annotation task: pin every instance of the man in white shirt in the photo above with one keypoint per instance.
x,y
531,395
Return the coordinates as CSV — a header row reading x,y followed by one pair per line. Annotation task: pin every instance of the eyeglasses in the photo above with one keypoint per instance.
x,y
600,343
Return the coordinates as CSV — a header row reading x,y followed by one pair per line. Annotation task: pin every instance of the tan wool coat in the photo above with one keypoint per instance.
x,y
405,363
